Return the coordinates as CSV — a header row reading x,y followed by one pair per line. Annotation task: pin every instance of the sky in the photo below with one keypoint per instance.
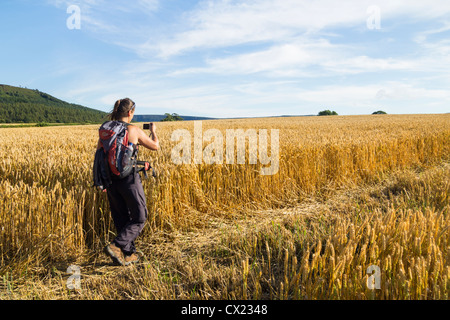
x,y
231,58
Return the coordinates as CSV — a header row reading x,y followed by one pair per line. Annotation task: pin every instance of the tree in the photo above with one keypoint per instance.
x,y
327,113
379,112
172,117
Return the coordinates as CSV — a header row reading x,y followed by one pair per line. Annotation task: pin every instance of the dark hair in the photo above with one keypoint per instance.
x,y
121,108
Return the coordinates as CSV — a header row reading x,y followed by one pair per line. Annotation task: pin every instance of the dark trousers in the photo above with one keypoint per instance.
x,y
128,210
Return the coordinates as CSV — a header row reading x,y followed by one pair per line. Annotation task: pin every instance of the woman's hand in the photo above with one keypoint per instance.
x,y
152,127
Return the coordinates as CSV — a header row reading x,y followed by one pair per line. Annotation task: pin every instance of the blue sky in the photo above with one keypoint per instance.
x,y
228,58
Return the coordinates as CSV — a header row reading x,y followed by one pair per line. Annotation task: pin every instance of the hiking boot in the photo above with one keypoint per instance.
x,y
132,258
115,253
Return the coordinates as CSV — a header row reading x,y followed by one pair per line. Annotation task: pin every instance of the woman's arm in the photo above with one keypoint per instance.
x,y
150,142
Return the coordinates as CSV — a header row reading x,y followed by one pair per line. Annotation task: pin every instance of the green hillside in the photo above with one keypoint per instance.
x,y
21,105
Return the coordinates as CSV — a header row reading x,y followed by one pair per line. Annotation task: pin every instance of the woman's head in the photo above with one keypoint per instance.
x,y
122,108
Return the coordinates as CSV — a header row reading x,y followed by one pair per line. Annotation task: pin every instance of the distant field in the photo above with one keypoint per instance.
x,y
13,125
350,192
42,124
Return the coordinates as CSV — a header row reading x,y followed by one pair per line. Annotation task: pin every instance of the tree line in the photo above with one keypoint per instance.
x,y
33,106
334,113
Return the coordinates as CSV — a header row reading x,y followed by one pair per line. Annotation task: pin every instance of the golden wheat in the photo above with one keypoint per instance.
x,y
49,211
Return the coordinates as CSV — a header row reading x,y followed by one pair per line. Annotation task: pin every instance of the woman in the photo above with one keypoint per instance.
x,y
126,196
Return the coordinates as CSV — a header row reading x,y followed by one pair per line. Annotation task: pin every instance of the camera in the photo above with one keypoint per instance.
x,y
146,126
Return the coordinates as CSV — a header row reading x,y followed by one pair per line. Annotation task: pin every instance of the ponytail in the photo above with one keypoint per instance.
x,y
121,108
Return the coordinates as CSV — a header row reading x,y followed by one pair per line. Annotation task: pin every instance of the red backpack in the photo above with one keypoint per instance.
x,y
119,152
117,158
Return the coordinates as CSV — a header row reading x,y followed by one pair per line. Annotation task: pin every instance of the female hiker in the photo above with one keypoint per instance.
x,y
125,194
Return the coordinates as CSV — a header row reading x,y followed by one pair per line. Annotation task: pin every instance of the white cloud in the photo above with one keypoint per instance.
x,y
422,36
402,91
297,58
216,24
342,94
278,58
362,64
293,36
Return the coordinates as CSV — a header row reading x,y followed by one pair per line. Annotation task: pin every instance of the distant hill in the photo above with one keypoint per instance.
x,y
22,105
157,117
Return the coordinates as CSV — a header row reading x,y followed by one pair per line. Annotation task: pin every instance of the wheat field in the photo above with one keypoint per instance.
x,y
351,192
